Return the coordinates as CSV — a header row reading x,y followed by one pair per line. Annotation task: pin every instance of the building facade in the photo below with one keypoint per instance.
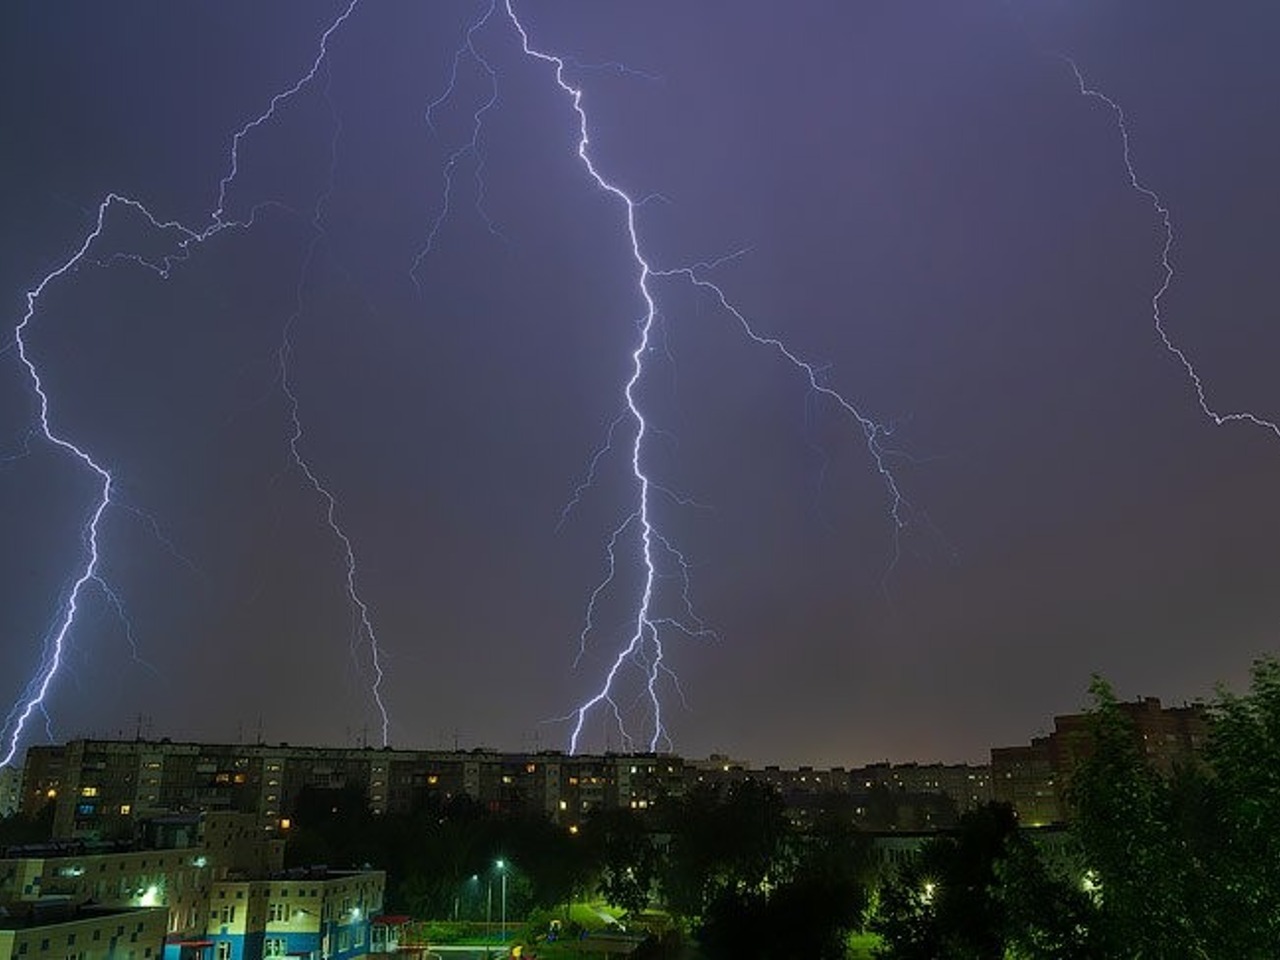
x,y
10,790
218,884
102,788
63,931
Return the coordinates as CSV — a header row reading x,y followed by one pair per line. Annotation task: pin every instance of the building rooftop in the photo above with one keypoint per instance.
x,y
56,910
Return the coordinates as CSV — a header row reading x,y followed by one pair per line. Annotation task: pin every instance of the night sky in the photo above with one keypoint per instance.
x,y
923,206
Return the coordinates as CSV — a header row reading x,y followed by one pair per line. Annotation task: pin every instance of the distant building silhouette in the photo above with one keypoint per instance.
x,y
101,789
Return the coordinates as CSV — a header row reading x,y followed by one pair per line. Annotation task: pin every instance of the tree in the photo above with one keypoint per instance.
x,y
1236,818
983,892
1148,881
735,843
553,862
625,857
808,908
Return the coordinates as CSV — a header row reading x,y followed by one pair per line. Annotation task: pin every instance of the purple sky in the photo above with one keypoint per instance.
x,y
927,211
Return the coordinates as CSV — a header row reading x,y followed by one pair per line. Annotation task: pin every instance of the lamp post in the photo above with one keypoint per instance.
x,y
502,869
472,887
488,917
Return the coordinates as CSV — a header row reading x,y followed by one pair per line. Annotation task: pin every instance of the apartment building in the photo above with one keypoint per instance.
x,y
102,788
1035,778
63,931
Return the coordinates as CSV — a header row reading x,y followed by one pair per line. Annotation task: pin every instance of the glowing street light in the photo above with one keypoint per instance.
x,y
502,869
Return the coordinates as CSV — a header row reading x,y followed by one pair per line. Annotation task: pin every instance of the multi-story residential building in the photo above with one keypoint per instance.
x,y
102,788
967,785
318,913
10,790
1036,778
1025,778
220,884
881,796
63,931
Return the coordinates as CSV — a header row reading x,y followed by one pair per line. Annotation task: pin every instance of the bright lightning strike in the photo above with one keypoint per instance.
x,y
34,697
1166,262
52,660
644,648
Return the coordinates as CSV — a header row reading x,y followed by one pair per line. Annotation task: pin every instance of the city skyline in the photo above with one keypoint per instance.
x,y
925,214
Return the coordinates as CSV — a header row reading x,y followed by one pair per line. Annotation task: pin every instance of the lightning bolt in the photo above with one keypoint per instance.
x,y
643,649
38,689
34,696
1166,262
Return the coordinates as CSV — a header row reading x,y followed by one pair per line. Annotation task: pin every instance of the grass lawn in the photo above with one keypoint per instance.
x,y
861,945
596,917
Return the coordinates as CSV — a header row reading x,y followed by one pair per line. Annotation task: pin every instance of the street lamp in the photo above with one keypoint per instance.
x,y
488,917
502,869
457,900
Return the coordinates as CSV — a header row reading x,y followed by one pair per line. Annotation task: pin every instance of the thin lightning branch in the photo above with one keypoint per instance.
x,y
873,432
1166,262
36,692
23,450
469,149
276,102
644,647
590,478
153,526
331,517
612,569
611,66
359,606
118,606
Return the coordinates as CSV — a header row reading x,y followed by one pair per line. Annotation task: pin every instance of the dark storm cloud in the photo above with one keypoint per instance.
x,y
931,213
